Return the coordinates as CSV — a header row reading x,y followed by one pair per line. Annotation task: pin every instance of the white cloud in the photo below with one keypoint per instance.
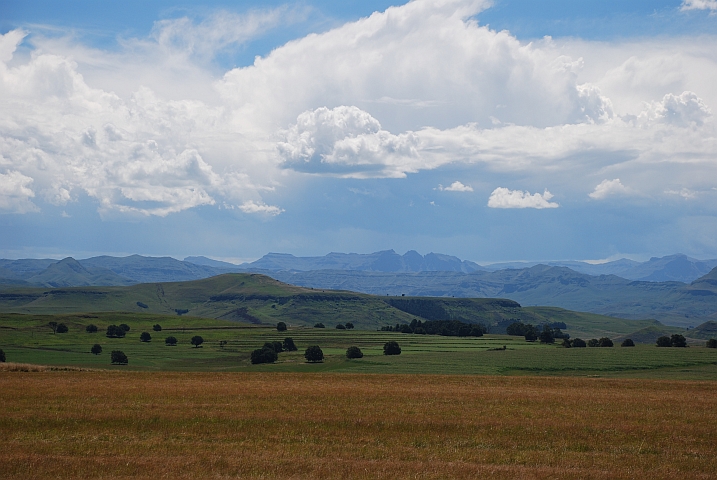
x,y
686,109
699,5
15,193
456,187
254,207
608,188
505,198
685,193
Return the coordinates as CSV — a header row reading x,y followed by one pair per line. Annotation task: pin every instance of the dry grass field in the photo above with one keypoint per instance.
x,y
85,424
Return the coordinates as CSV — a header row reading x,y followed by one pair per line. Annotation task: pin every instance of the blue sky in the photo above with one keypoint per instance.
x,y
494,131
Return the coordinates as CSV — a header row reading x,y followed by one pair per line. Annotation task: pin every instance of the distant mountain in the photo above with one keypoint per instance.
x,y
24,268
209,262
385,261
70,273
141,269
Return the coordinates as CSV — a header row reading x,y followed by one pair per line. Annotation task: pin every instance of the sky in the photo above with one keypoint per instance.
x,y
491,130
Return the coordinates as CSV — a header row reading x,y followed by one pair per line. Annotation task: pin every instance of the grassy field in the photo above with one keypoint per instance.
x,y
273,425
28,339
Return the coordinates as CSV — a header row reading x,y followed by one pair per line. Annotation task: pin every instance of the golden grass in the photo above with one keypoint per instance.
x,y
261,425
31,367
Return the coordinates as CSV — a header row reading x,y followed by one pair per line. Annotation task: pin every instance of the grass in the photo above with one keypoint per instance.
x,y
27,339
284,425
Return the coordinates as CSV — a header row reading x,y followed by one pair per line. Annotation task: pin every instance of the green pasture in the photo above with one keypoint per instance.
x,y
29,339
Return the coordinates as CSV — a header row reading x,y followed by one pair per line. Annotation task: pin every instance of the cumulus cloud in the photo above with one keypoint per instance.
x,y
699,5
15,193
686,109
456,187
608,188
259,207
505,198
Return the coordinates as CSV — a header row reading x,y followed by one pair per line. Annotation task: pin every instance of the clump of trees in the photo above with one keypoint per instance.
x,y
145,337
711,343
118,357
266,354
391,348
578,343
314,354
281,327
170,341
549,332
58,327
354,352
157,327
349,326
603,342
124,327
115,331
449,328
340,326
676,340
546,335
319,325
91,328
96,349
197,341
627,343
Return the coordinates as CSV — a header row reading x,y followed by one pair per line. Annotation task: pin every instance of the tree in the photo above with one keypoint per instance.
x,y
605,342
578,343
546,336
113,331
340,326
118,357
281,327
349,326
319,325
157,327
566,343
391,348
354,352
96,349
516,329
711,343
664,341
197,340
314,354
677,340
62,328
222,343
170,341
593,342
627,343
53,326
289,345
91,328
264,355
530,334
277,346
2,356
145,337
124,327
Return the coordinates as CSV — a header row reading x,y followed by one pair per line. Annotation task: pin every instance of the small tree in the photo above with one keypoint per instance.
x,y
264,355
222,343
197,341
627,343
354,352
62,328
349,326
113,331
530,334
281,327
566,343
340,326
391,348
170,341
314,354
677,340
91,328
605,342
96,349
546,336
711,343
319,325
289,345
124,327
578,343
118,357
53,326
593,342
664,341
145,337
2,356
157,327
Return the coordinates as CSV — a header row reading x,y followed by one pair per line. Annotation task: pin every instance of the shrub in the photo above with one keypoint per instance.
x,y
119,357
605,342
566,343
319,325
142,305
627,343
124,327
96,349
593,342
391,348
113,331
676,340
181,311
264,355
354,352
91,328
349,326
578,343
546,336
157,327
2,356
711,343
196,341
281,327
664,341
62,328
289,345
340,326
145,337
170,341
314,354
